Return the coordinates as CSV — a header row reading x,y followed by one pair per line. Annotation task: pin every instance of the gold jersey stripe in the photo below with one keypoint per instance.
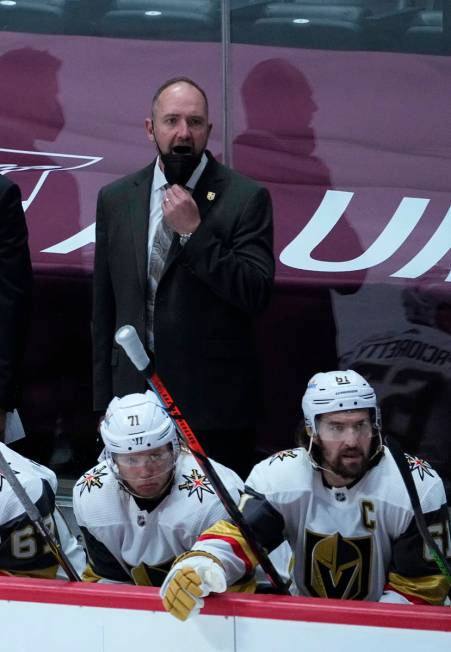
x,y
431,588
89,575
246,587
48,573
228,532
140,575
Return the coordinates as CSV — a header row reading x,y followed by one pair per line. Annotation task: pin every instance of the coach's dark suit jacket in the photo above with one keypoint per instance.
x,y
15,286
205,302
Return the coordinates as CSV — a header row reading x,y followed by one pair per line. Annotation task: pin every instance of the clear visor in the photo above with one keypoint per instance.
x,y
337,431
148,464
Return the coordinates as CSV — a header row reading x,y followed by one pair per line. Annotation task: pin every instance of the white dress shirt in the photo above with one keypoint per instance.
x,y
157,193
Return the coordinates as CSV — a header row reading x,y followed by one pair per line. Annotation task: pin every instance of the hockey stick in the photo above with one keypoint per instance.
x,y
127,337
401,462
36,518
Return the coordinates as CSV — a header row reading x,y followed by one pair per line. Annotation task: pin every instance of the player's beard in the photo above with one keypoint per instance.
x,y
348,469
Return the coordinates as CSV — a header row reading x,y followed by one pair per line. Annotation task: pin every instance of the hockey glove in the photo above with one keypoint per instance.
x,y
188,581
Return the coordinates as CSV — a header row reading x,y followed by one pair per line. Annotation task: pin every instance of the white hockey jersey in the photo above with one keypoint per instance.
x,y
347,543
130,539
22,549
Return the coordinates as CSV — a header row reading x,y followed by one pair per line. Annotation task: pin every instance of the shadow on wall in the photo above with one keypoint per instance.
x,y
57,401
296,336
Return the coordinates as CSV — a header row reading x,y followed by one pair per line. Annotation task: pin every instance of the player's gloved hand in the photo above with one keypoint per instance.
x,y
188,581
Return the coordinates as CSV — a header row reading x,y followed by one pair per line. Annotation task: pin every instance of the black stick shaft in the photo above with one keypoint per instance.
x,y
37,520
196,449
129,340
406,475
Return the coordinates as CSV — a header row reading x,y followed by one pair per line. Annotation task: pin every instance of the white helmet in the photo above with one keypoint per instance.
x,y
334,391
135,423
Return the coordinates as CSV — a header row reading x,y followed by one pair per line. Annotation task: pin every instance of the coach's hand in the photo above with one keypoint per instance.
x,y
188,582
180,210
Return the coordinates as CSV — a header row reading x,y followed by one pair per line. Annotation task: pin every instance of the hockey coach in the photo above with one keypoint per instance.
x,y
184,254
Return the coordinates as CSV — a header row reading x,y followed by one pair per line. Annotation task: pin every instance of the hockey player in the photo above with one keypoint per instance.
x,y
148,500
339,501
22,549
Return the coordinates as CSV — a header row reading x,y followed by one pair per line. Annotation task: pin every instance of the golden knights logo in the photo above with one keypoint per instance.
x,y
196,483
337,567
282,455
415,464
92,479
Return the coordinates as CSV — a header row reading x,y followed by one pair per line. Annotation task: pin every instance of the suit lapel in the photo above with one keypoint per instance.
x,y
139,207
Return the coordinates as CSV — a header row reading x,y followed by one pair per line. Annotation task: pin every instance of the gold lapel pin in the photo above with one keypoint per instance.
x,y
211,196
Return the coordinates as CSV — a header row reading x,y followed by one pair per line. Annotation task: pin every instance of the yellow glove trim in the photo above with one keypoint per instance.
x,y
198,553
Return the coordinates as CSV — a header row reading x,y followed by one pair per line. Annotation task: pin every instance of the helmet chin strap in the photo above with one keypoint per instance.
x,y
380,446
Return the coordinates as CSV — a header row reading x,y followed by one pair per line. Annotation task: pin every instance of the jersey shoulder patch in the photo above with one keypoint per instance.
x,y
195,483
93,480
428,483
287,471
419,468
191,482
283,456
97,497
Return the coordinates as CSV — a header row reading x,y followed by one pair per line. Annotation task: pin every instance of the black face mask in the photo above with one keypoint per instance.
x,y
179,164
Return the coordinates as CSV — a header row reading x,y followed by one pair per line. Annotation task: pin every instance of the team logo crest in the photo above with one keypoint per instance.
x,y
282,455
415,464
337,567
196,483
92,479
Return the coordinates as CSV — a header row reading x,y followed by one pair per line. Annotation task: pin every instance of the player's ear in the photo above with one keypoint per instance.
x,y
148,124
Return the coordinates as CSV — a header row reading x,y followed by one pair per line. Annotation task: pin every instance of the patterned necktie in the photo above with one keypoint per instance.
x,y
160,248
